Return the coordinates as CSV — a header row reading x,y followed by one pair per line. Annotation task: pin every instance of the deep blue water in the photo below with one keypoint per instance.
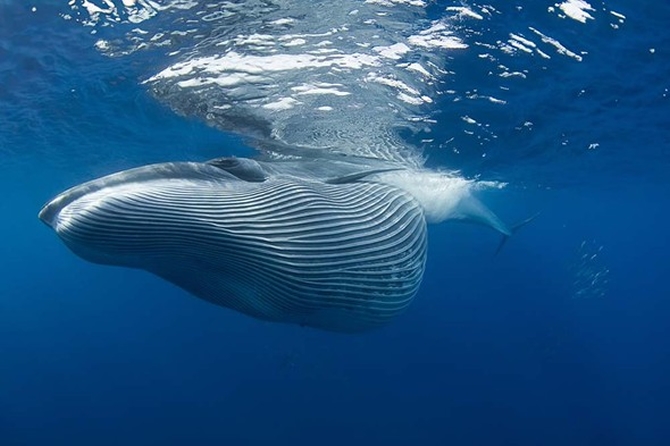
x,y
524,348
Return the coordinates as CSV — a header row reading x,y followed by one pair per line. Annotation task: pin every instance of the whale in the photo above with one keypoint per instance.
x,y
334,245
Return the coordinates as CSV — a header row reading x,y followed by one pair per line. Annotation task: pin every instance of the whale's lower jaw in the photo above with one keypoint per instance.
x,y
342,258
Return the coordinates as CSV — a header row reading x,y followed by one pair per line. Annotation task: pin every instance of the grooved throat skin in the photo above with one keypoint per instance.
x,y
339,257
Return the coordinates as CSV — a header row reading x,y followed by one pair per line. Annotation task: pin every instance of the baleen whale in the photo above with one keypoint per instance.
x,y
338,246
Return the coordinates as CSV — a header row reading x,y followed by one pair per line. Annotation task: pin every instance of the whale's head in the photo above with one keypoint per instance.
x,y
281,247
113,219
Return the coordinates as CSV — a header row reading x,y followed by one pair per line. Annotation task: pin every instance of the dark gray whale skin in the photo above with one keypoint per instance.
x,y
317,244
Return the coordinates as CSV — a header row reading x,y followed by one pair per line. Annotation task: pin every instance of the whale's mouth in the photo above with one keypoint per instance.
x,y
132,177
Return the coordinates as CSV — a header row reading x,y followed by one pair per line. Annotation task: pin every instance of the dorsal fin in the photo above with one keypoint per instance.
x,y
353,177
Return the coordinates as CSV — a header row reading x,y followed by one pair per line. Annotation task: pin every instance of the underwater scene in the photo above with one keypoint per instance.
x,y
346,222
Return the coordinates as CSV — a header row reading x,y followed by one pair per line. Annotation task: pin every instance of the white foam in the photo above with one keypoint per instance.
x,y
520,46
241,66
439,194
463,11
319,88
134,11
389,3
556,44
505,74
251,39
391,82
488,98
413,100
523,40
282,104
102,45
405,93
437,36
542,53
282,21
394,51
576,10
94,9
415,66
295,42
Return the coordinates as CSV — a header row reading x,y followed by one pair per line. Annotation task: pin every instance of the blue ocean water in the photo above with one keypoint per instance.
x,y
563,338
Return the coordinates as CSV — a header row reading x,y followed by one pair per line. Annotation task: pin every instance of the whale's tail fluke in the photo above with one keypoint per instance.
x,y
513,231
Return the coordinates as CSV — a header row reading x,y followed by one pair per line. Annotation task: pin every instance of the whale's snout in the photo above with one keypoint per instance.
x,y
51,210
77,216
48,213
